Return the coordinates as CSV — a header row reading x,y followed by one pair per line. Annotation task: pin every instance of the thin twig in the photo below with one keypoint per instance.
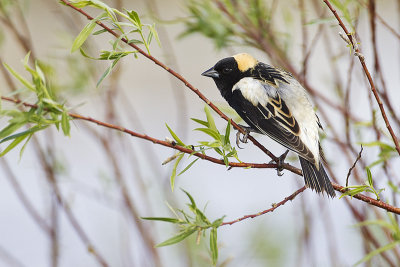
x,y
354,165
274,207
367,73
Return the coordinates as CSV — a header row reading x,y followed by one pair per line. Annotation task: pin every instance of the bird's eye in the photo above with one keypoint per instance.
x,y
226,70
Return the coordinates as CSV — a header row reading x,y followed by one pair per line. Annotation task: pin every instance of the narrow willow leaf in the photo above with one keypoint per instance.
x,y
20,78
173,174
377,251
204,123
65,125
227,133
179,237
210,119
135,18
107,71
21,152
188,166
163,219
29,131
381,223
99,32
84,34
149,38
214,246
193,204
13,144
153,30
11,128
176,138
369,175
218,222
214,134
83,53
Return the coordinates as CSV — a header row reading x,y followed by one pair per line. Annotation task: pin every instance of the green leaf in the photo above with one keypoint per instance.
x,y
31,130
204,123
188,166
227,133
99,32
179,237
20,78
11,128
135,18
164,219
192,202
155,34
107,71
380,144
369,175
84,34
210,119
218,222
13,144
213,133
176,138
149,38
377,251
173,174
213,246
21,152
65,125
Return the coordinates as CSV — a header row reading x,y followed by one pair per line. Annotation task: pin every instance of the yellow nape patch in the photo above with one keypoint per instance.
x,y
245,61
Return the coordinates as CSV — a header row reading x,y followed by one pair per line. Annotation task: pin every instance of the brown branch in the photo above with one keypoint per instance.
x,y
178,76
274,207
366,71
286,166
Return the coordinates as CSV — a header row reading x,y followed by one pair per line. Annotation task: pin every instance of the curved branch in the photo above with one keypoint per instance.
x,y
274,206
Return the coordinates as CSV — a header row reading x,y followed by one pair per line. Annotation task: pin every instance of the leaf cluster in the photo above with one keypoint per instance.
x,y
220,143
47,111
367,187
224,26
132,29
196,222
392,226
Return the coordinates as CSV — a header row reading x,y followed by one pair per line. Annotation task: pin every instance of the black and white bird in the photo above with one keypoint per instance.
x,y
272,102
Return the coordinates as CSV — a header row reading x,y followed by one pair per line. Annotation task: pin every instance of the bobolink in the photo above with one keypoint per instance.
x,y
273,103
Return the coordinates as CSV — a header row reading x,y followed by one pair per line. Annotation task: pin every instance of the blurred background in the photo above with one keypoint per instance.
x,y
77,201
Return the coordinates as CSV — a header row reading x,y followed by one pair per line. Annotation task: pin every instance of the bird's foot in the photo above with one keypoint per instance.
x,y
280,161
243,139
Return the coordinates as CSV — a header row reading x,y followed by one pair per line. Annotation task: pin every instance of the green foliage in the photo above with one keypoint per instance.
x,y
224,22
131,29
347,10
46,112
386,152
196,222
367,187
220,143
207,19
392,226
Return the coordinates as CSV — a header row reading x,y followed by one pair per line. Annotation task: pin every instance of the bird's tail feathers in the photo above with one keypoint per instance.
x,y
316,179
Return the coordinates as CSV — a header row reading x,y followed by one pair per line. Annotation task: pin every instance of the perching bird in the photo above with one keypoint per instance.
x,y
273,103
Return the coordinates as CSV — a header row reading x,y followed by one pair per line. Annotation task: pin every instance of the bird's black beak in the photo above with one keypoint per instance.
x,y
211,73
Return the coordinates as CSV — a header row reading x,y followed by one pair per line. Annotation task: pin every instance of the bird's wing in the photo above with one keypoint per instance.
x,y
270,115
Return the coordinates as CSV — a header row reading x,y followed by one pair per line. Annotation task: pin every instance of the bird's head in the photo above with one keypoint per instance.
x,y
228,71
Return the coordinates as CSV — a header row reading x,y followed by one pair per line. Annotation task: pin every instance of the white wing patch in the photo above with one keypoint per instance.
x,y
254,91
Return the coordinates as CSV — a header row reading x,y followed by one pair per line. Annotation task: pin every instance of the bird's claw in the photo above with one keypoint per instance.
x,y
243,139
280,161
